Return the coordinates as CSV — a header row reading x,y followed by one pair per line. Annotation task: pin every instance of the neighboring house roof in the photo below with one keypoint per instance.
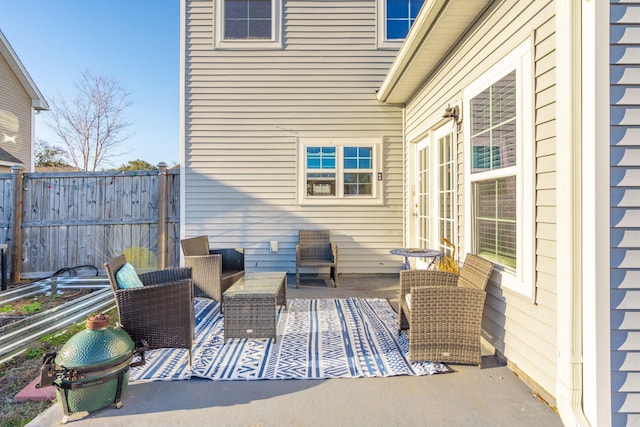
x,y
437,28
8,158
37,100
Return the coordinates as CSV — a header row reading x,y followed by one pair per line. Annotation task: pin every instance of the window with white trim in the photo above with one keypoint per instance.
x,y
499,174
248,24
339,171
395,18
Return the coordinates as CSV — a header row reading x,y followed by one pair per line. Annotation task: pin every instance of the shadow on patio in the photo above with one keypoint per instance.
x,y
469,396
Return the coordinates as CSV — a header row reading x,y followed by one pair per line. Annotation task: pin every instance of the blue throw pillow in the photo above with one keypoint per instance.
x,y
127,278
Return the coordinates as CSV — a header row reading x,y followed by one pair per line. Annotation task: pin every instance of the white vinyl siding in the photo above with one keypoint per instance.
x,y
625,211
245,113
523,329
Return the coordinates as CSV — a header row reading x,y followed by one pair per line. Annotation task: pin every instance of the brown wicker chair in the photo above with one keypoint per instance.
x,y
213,270
314,249
444,315
160,312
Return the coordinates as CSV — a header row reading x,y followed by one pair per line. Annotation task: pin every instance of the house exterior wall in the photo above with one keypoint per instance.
x,y
244,113
624,194
15,117
522,329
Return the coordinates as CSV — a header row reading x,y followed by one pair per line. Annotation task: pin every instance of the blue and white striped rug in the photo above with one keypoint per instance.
x,y
322,338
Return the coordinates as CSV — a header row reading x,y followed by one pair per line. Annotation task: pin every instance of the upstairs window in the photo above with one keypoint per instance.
x,y
395,18
248,24
400,16
247,19
339,172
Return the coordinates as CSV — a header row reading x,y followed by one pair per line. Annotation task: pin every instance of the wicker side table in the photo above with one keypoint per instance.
x,y
250,305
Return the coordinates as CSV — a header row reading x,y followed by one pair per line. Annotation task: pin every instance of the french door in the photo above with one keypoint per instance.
x,y
435,191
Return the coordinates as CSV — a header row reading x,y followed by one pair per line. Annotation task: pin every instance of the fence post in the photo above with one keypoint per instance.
x,y
162,215
15,245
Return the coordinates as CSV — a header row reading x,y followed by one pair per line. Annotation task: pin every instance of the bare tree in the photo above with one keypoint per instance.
x,y
92,124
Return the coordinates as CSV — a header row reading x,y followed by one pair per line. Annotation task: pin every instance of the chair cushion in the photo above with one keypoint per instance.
x,y
407,298
127,278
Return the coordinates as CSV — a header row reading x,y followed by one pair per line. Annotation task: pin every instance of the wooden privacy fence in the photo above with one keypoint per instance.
x,y
59,220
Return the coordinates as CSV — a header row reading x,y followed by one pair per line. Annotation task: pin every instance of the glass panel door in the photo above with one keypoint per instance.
x,y
435,192
446,193
423,205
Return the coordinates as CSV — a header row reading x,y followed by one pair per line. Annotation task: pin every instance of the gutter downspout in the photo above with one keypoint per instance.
x,y
569,375
183,119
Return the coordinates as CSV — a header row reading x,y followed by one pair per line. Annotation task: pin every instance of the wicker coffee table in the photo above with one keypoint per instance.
x,y
250,305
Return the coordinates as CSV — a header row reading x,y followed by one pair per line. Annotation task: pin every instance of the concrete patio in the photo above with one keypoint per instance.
x,y
470,396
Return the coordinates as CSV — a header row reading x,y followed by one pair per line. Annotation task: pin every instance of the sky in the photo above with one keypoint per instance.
x,y
136,42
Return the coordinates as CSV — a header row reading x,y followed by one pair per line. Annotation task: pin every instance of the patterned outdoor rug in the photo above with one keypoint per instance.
x,y
323,338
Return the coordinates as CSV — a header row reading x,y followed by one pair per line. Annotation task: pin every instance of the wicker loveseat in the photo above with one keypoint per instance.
x,y
214,270
443,312
161,311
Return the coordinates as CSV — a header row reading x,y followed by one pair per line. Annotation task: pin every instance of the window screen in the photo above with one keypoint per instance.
x,y
247,19
495,220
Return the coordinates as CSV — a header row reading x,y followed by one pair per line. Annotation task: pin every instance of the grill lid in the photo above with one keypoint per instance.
x,y
96,347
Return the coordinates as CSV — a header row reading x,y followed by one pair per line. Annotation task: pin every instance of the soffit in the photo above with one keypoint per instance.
x,y
437,28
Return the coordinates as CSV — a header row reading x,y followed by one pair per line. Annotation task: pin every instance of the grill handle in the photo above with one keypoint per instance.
x,y
47,370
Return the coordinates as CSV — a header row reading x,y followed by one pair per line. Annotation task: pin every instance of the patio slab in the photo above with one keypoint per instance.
x,y
469,396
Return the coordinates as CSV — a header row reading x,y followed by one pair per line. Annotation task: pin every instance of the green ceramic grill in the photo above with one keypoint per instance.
x,y
91,371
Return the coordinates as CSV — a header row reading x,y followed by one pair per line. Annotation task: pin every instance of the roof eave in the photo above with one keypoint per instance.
x,y
8,159
38,102
437,29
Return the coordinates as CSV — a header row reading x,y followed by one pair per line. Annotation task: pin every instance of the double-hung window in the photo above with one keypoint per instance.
x,y
339,171
499,169
248,24
395,18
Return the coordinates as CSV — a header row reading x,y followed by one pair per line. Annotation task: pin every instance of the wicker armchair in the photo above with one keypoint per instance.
x,y
213,270
160,312
314,249
444,312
